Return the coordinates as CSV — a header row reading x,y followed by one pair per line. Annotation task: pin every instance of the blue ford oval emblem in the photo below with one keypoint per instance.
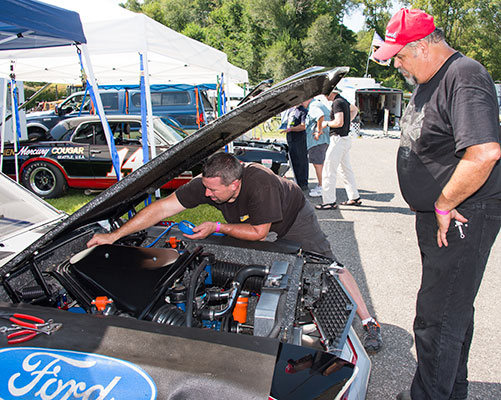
x,y
35,373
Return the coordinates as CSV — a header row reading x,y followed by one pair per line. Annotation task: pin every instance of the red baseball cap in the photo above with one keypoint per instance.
x,y
404,27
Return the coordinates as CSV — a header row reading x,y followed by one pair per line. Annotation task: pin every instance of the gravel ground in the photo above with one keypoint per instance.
x,y
377,242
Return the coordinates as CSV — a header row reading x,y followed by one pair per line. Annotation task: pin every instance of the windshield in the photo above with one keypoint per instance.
x,y
74,102
166,133
19,209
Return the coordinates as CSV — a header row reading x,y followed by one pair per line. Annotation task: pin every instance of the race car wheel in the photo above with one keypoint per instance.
x,y
44,179
36,134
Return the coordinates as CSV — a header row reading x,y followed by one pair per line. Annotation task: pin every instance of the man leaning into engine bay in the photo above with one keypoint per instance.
x,y
257,205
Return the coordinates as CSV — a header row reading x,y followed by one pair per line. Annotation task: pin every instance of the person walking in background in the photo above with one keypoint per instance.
x,y
294,119
337,157
449,174
317,139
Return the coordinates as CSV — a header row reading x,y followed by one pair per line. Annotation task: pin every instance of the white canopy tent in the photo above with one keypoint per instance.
x,y
27,24
116,39
115,36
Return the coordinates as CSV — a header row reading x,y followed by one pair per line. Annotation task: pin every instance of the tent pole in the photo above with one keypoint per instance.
x,y
225,105
223,92
14,128
13,37
4,122
14,132
367,65
99,105
149,114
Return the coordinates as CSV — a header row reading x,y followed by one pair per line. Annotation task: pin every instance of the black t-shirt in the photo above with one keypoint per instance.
x,y
456,109
264,197
297,117
340,104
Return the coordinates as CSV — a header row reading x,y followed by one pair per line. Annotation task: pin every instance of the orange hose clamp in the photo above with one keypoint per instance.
x,y
240,310
172,241
101,302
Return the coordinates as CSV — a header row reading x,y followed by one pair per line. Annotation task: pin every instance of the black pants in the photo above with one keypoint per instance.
x,y
443,326
298,154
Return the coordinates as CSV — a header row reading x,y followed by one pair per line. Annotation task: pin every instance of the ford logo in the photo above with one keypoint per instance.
x,y
35,373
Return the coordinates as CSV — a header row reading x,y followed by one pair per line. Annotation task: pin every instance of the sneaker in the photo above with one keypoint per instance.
x,y
372,338
405,395
316,192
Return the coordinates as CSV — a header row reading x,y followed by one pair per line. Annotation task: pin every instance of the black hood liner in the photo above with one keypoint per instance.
x,y
135,187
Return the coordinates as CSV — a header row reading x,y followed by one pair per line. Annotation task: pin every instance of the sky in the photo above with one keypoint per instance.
x,y
355,21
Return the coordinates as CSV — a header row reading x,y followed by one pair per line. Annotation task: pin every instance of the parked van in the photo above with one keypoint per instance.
x,y
179,102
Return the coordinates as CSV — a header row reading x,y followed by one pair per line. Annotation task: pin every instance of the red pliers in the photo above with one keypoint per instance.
x,y
20,336
32,326
17,319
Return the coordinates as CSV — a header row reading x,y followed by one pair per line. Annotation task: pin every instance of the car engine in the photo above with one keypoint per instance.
x,y
220,283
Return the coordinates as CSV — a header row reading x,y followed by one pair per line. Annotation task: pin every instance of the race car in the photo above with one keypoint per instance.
x,y
159,316
77,155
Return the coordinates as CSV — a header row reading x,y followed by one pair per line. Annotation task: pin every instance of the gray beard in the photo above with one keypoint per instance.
x,y
410,79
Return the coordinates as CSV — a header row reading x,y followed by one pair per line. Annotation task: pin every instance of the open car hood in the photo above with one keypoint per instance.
x,y
137,186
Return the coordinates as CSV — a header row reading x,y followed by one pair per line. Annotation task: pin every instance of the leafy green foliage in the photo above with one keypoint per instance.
x,y
277,38
470,26
482,41
51,93
269,38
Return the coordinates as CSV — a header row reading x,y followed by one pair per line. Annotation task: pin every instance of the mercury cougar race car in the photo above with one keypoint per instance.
x,y
77,155
160,316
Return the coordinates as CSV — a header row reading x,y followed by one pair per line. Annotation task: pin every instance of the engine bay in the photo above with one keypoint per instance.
x,y
223,284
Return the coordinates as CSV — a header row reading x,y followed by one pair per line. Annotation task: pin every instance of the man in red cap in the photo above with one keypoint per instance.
x,y
449,174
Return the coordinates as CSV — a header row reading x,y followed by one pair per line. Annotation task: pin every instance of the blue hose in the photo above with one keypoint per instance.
x,y
184,226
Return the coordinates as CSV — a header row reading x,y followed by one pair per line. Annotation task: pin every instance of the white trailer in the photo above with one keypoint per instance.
x,y
380,107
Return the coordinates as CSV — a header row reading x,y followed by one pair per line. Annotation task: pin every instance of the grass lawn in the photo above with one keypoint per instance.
x,y
75,199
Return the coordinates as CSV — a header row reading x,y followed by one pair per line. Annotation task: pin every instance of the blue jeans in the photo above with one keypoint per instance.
x,y
299,156
443,327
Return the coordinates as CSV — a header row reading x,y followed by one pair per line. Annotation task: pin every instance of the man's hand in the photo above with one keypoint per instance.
x,y
443,222
470,174
203,230
101,238
239,231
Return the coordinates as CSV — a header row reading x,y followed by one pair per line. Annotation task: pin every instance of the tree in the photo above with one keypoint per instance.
x,y
377,14
470,26
483,39
453,16
132,5
269,38
329,43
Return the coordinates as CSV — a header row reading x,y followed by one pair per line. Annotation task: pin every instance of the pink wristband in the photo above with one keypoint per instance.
x,y
218,226
441,212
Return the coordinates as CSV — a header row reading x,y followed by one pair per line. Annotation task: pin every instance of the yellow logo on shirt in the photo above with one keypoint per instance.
x,y
244,218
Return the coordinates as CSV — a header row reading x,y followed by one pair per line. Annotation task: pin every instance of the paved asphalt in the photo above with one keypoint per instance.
x,y
377,242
